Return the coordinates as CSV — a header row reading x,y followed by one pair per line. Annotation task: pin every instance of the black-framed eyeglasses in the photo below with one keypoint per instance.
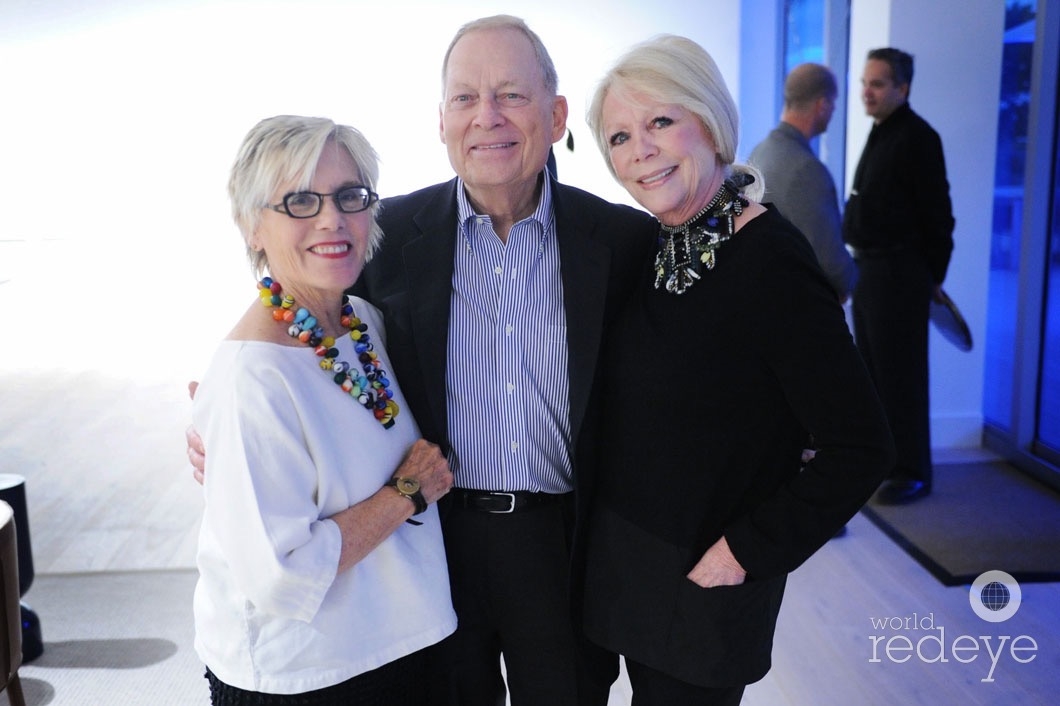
x,y
306,204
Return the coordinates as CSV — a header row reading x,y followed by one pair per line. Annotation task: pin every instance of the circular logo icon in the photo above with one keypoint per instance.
x,y
995,596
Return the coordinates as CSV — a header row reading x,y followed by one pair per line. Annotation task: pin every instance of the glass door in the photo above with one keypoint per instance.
x,y
1021,402
1048,438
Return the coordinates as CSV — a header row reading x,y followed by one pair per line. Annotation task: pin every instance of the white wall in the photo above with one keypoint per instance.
x,y
761,72
957,47
120,122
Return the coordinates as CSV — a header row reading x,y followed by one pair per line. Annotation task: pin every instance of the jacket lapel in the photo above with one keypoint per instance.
x,y
584,268
429,267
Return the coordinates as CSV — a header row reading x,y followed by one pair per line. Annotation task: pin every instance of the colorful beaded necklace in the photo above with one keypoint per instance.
x,y
676,266
370,389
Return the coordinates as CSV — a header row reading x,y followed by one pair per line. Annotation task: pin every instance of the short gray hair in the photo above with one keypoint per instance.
x,y
282,152
548,69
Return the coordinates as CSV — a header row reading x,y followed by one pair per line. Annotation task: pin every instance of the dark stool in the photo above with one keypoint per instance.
x,y
13,492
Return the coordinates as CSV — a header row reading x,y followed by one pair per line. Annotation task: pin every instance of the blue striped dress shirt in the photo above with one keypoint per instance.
x,y
507,389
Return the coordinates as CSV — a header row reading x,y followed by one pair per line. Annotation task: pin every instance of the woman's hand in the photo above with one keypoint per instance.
x,y
718,567
424,462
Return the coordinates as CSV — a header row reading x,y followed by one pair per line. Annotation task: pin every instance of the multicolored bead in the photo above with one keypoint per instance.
x,y
371,390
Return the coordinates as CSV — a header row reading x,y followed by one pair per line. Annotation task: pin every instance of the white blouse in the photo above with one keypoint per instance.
x,y
287,448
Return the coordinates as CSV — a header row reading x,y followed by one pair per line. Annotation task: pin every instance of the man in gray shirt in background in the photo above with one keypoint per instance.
x,y
797,182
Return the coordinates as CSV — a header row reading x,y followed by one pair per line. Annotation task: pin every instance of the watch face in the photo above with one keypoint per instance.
x,y
408,486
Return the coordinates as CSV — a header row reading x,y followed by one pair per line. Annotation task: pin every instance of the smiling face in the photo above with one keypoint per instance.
x,y
497,119
316,258
661,153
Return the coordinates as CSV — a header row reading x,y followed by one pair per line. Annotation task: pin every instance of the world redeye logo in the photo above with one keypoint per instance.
x,y
995,596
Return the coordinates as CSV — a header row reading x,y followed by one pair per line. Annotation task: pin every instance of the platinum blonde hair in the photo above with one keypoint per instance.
x,y
281,153
676,70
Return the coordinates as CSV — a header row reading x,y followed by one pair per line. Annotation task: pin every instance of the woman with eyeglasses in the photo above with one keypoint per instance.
x,y
322,575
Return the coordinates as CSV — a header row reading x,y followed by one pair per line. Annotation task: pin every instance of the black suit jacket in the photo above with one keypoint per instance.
x,y
602,247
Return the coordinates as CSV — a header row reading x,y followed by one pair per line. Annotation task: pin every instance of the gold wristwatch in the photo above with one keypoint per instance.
x,y
410,488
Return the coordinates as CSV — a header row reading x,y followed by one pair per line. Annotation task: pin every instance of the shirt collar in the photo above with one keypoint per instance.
x,y
542,214
897,116
793,132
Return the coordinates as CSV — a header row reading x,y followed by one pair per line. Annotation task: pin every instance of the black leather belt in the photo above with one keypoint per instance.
x,y
499,503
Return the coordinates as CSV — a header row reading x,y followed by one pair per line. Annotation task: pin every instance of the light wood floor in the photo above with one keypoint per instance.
x,y
109,489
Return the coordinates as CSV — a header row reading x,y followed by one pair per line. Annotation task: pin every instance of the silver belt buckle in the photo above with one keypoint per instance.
x,y
511,504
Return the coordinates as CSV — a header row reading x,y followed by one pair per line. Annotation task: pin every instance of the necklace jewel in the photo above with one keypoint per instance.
x,y
684,250
369,386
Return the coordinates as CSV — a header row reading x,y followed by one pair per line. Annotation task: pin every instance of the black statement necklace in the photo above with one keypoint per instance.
x,y
685,249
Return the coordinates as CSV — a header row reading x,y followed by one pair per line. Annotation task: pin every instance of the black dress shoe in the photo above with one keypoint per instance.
x,y
901,492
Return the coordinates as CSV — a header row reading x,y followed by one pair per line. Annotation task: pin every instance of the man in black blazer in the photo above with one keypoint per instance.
x,y
509,523
899,222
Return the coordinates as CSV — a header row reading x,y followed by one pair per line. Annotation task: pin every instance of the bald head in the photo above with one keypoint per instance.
x,y
806,83
809,98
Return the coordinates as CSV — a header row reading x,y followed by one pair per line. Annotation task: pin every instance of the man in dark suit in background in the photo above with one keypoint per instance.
x,y
899,222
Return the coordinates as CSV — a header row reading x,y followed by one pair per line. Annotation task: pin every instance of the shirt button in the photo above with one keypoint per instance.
x,y
498,270
511,388
509,329
515,446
